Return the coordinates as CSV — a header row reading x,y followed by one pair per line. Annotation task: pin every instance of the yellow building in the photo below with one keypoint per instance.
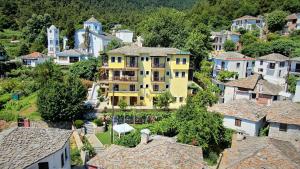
x,y
141,73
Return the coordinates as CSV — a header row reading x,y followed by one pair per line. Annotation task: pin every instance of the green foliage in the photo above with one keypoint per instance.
x,y
85,69
23,50
3,53
70,32
292,83
264,131
229,45
123,105
282,46
129,140
47,72
226,75
248,38
78,123
4,99
114,44
98,122
88,147
164,100
75,157
257,49
167,127
212,158
276,20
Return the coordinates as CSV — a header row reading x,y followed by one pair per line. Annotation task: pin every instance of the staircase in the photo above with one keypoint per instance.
x,y
97,145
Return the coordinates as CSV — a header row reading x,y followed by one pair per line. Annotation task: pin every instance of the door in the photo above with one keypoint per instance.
x,y
155,76
156,62
133,101
297,67
115,100
132,62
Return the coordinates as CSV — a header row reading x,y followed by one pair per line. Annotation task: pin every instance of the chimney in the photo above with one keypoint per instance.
x,y
145,135
140,41
296,97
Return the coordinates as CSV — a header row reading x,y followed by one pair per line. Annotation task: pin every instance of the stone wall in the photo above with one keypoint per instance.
x,y
292,133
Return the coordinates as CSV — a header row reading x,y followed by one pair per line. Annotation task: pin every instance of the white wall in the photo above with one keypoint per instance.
x,y
228,94
297,93
293,65
232,67
54,160
125,36
249,127
292,133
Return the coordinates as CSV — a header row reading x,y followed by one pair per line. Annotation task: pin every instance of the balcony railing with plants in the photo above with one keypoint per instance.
x,y
125,78
158,79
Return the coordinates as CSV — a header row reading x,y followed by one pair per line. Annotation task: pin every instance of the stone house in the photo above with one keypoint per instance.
x,y
33,59
35,148
68,57
248,23
284,120
245,116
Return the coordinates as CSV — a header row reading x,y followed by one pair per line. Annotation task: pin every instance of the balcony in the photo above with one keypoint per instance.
x,y
158,79
131,62
125,78
158,65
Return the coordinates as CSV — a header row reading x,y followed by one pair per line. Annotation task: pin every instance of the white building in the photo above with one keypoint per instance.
x,y
248,23
35,148
219,39
96,41
53,40
68,57
296,97
242,115
284,120
295,65
253,88
274,68
233,62
33,59
125,35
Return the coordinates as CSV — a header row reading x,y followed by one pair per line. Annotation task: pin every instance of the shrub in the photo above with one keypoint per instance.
x,y
78,123
129,140
98,122
212,158
122,104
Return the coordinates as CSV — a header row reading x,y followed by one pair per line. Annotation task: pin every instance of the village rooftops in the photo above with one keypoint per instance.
x,y
72,52
247,83
286,112
274,57
293,16
22,147
241,108
247,17
297,59
152,51
261,152
34,55
232,56
160,152
265,87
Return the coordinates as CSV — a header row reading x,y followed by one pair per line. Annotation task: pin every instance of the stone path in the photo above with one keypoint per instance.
x,y
98,146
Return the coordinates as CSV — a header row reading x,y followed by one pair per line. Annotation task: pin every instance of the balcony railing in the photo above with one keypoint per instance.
x,y
132,64
125,78
124,91
158,65
103,77
158,79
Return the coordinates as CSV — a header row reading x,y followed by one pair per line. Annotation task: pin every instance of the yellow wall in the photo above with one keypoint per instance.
x,y
177,86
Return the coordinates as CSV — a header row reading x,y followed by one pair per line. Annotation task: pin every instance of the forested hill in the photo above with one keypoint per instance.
x,y
17,12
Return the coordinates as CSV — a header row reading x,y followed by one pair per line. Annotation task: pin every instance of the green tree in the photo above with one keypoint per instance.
x,y
226,75
129,140
276,20
248,38
123,105
164,100
23,50
86,69
229,45
257,49
114,44
48,72
283,46
292,83
70,34
3,53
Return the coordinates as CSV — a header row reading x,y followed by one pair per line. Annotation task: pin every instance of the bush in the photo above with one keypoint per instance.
x,y
129,140
122,104
78,123
88,147
98,122
212,158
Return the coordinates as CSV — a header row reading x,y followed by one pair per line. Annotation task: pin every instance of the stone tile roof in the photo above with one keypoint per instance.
x,y
274,57
247,83
161,152
284,112
295,59
246,17
23,147
292,16
72,52
261,152
232,56
152,51
125,30
268,88
92,19
241,108
34,55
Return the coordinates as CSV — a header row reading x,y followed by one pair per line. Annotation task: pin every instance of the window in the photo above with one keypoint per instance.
x,y
272,65
141,97
282,127
147,59
261,62
260,70
281,64
116,73
180,99
142,58
66,154
184,61
176,74
253,64
113,59
168,59
182,74
62,160
51,42
238,65
141,86
132,87
147,72
279,73
116,87
238,122
56,42
43,165
167,86
168,73
155,87
177,61
51,49
119,59
147,86
141,73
